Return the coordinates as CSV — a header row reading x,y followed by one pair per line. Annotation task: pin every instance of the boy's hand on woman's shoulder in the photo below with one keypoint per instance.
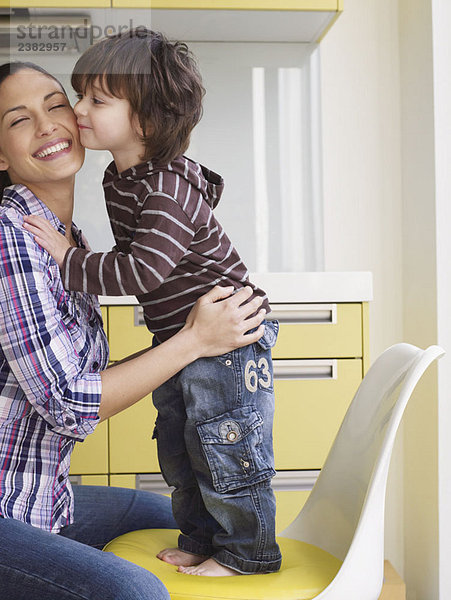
x,y
48,237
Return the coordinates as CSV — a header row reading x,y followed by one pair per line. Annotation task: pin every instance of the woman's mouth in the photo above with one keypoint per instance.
x,y
53,150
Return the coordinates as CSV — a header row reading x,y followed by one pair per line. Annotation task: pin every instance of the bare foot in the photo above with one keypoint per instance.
x,y
209,568
175,556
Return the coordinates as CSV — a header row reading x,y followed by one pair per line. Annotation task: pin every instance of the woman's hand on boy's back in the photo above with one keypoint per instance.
x,y
48,237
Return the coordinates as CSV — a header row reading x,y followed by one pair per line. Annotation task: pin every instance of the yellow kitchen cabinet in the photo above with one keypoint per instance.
x,y
306,5
127,332
319,360
90,479
240,20
91,456
310,5
309,411
131,448
126,481
55,4
318,331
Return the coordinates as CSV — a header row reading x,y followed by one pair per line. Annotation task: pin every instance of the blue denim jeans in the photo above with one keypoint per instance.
x,y
214,435
37,565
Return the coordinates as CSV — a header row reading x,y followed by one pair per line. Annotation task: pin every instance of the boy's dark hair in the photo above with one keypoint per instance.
x,y
159,78
6,70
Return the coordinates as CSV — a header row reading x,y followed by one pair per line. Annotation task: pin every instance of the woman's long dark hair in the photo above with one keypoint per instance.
x,y
6,70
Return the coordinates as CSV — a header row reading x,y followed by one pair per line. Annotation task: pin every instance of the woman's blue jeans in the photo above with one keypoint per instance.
x,y
37,565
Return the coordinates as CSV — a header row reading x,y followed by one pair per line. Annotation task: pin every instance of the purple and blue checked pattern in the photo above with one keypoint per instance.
x,y
52,349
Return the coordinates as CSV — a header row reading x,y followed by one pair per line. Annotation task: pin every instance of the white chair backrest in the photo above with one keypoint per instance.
x,y
346,506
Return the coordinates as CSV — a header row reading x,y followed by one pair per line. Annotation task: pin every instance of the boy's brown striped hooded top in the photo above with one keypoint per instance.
x,y
170,249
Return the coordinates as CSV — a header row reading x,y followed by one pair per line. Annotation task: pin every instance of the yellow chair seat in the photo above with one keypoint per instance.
x,y
306,570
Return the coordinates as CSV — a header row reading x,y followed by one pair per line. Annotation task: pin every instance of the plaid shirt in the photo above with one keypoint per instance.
x,y
52,348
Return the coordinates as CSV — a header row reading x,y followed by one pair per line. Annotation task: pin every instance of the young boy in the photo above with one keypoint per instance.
x,y
140,96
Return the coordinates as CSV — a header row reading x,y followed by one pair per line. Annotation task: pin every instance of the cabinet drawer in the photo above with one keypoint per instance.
x,y
306,331
132,449
89,480
126,481
126,333
91,456
310,409
318,330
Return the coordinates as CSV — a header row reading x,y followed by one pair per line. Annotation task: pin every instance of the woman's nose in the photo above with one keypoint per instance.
x,y
46,126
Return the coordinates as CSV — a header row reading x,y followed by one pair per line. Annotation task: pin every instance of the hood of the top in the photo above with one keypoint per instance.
x,y
209,183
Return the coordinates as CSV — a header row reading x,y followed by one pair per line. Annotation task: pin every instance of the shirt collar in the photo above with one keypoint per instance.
x,y
24,201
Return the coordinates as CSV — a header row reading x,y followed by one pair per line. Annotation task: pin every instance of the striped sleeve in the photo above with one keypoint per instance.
x,y
36,342
162,236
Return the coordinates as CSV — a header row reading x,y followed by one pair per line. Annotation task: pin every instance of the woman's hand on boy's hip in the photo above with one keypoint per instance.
x,y
222,326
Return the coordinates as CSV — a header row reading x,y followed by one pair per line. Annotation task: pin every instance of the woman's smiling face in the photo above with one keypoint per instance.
x,y
39,140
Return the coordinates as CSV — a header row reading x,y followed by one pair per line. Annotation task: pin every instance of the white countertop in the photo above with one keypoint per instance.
x,y
311,287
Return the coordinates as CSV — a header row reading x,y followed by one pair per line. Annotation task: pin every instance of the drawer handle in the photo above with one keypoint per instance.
x,y
308,314
286,481
152,482
305,369
139,317
75,479
282,481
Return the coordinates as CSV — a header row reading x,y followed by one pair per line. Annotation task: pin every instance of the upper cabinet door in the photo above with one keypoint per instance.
x,y
331,5
304,21
240,20
310,5
57,4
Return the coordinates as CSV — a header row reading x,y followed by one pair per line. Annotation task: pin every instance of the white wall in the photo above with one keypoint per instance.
x,y
362,181
441,25
386,97
420,293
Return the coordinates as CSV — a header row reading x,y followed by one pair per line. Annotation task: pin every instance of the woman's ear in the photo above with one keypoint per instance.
x,y
4,165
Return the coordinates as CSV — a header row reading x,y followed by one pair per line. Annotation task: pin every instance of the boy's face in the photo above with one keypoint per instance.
x,y
105,123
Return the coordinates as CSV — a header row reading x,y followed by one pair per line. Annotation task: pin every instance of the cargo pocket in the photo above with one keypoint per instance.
x,y
231,443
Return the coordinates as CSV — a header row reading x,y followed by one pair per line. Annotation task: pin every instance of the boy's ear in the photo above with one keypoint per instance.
x,y
136,125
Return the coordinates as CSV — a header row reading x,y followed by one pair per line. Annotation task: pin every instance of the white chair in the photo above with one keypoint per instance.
x,y
334,549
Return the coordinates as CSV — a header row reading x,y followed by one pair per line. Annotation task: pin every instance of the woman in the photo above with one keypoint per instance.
x,y
53,383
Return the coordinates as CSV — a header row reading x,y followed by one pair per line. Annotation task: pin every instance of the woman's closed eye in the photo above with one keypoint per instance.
x,y
17,121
